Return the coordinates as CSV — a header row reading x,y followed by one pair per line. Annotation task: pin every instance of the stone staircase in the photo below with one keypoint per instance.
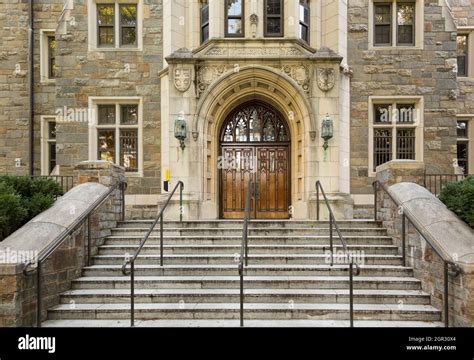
x,y
288,282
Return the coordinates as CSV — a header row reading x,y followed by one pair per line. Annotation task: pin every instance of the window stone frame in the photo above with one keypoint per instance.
x,y
93,32
418,126
44,56
418,26
94,102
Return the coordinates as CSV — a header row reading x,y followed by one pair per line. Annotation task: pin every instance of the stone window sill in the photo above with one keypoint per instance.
x,y
48,82
116,50
397,48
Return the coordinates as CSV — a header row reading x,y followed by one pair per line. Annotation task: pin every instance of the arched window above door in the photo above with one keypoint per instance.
x,y
255,122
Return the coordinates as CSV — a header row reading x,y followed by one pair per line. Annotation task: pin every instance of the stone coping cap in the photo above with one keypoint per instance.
x,y
97,165
401,165
39,234
449,234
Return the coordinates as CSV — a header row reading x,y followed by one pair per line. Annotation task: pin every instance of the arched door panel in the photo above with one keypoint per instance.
x,y
255,146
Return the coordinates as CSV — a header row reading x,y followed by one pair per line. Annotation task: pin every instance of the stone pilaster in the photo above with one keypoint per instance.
x,y
102,172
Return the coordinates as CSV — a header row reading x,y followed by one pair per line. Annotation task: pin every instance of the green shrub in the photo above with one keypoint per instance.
x,y
459,198
38,203
46,187
22,198
21,184
12,212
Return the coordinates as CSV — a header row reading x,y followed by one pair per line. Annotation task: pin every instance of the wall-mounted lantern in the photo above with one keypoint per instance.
x,y
180,130
327,131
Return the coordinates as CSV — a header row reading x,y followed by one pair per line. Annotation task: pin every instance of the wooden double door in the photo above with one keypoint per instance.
x,y
269,168
255,146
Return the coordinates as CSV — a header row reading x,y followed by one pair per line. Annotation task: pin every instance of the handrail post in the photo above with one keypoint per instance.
x,y
241,297
38,295
446,295
375,200
181,202
161,240
246,248
351,292
89,240
122,199
331,243
132,293
317,201
404,229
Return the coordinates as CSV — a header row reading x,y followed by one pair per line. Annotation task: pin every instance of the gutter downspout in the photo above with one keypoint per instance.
x,y
31,92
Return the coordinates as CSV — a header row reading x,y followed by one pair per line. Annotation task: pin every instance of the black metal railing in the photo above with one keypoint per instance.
x,y
352,264
407,219
83,219
66,182
244,249
132,260
435,182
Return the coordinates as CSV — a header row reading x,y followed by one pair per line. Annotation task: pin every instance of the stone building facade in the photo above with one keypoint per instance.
x,y
125,72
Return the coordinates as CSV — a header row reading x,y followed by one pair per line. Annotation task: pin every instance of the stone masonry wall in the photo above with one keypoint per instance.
x,y
463,12
409,72
14,92
47,15
13,87
427,265
18,293
83,73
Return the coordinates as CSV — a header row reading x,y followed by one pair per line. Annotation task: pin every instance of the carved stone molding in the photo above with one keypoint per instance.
x,y
325,78
300,74
206,75
254,51
253,25
254,19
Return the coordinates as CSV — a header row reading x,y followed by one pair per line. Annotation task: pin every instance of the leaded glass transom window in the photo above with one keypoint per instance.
x,y
255,122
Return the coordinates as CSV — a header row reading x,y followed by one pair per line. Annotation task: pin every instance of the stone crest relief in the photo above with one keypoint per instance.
x,y
299,73
326,78
206,75
182,78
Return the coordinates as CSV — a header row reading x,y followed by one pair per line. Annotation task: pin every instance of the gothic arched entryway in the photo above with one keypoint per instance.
x,y
255,145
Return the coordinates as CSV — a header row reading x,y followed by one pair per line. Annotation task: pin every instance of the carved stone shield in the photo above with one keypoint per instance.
x,y
326,78
182,78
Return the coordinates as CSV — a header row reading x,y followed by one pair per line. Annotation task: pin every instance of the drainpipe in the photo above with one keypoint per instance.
x,y
31,81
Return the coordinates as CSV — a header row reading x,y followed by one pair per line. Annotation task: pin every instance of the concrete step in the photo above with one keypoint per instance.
x,y
236,323
253,223
263,311
251,270
289,280
269,295
237,231
253,240
267,259
235,248
251,282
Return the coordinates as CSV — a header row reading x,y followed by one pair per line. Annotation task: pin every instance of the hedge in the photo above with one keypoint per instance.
x,y
22,198
459,198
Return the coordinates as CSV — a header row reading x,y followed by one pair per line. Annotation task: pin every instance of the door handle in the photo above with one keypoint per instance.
x,y
255,190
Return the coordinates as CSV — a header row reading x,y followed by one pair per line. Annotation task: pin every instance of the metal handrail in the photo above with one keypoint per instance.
x,y
132,260
244,250
86,216
66,182
411,220
333,221
435,182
